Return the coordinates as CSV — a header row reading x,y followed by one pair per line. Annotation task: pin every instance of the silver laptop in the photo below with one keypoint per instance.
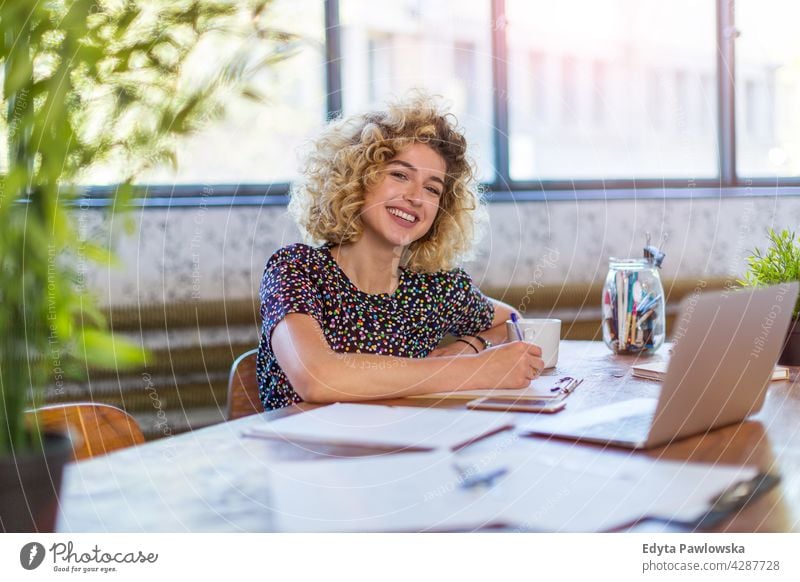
x,y
718,374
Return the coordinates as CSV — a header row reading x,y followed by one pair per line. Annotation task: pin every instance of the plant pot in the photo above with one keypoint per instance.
x,y
29,486
791,349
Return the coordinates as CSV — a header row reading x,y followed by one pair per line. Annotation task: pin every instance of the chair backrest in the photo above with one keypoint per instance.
x,y
96,428
243,399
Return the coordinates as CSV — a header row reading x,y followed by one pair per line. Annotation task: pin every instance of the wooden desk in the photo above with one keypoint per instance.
x,y
215,480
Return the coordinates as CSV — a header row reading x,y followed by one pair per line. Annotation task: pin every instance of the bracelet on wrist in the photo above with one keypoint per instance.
x,y
463,341
486,343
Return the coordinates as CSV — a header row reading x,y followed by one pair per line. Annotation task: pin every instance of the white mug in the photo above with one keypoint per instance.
x,y
545,333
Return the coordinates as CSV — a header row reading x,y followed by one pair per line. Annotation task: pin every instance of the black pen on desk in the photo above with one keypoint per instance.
x,y
515,321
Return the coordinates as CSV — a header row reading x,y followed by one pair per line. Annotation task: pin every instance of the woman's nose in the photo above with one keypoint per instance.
x,y
414,194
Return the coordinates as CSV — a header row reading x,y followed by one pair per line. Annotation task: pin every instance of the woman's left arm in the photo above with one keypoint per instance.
x,y
495,334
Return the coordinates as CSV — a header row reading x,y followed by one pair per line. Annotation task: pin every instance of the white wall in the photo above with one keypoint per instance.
x,y
218,253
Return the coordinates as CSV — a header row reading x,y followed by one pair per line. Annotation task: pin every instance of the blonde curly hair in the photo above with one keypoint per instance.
x,y
346,159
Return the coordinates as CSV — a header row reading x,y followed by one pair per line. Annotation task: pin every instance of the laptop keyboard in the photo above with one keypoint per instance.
x,y
627,428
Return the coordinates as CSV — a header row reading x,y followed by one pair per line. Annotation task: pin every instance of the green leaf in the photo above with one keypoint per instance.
x,y
779,263
104,350
18,75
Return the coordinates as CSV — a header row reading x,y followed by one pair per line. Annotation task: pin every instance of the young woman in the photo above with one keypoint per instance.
x,y
392,197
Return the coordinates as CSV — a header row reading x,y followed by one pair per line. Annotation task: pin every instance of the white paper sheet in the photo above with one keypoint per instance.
x,y
399,492
547,487
542,388
387,426
683,491
560,423
562,487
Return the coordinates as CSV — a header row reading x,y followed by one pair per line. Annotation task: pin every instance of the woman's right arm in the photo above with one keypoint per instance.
x,y
318,374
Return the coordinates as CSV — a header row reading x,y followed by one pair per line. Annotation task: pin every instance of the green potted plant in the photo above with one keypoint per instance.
x,y
88,83
780,263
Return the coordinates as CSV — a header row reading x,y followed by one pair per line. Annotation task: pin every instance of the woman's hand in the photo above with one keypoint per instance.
x,y
509,365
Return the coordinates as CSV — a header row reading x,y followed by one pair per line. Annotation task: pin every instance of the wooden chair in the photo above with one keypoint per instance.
x,y
243,399
96,429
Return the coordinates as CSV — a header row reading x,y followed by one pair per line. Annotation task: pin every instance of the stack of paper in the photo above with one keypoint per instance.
x,y
658,371
394,427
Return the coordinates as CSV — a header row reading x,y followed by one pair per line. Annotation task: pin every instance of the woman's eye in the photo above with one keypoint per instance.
x,y
399,175
433,190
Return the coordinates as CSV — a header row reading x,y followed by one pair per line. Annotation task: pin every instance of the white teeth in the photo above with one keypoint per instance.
x,y
403,215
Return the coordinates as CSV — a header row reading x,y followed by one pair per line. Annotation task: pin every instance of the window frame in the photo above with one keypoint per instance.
x,y
727,183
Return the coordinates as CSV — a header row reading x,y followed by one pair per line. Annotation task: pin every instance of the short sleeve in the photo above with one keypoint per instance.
x,y
288,287
473,312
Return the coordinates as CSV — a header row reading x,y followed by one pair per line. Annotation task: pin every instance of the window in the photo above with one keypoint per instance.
x,y
598,94
379,54
539,81
255,143
655,98
552,95
441,46
466,72
651,129
708,99
569,92
767,84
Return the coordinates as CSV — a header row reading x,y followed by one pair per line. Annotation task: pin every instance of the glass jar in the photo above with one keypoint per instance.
x,y
633,307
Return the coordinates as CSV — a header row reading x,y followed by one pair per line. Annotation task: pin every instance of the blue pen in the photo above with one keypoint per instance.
x,y
485,479
516,327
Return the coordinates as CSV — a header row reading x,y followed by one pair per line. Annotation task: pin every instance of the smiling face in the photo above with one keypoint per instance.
x,y
402,206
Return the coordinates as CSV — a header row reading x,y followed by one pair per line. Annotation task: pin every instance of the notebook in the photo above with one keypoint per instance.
x,y
657,371
392,427
554,387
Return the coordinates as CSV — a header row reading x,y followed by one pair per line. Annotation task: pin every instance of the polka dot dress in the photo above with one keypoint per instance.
x,y
407,323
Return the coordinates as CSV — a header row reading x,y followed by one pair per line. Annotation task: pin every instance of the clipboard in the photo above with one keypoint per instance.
x,y
736,498
548,399
729,502
550,387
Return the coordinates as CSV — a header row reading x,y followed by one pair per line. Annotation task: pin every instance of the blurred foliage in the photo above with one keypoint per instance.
x,y
88,82
780,263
